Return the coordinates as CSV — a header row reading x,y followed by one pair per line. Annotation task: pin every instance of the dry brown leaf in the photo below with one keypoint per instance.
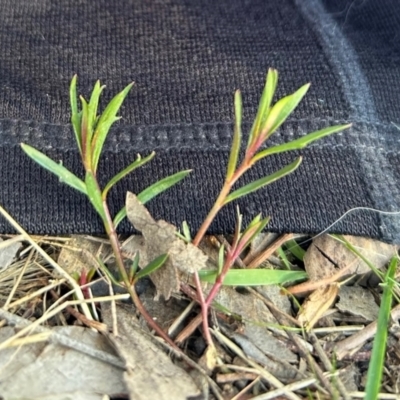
x,y
328,261
254,335
326,256
358,301
160,238
47,370
150,373
316,305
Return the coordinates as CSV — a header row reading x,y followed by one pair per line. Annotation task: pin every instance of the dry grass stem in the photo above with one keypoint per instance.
x,y
71,281
36,324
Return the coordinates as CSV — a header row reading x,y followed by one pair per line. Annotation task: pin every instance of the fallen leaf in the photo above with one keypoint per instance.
x,y
326,256
160,238
254,335
358,301
327,261
49,370
150,373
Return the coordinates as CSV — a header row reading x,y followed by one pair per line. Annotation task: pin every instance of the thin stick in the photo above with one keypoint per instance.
x,y
270,250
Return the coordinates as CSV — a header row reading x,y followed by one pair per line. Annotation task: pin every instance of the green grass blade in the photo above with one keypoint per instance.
x,y
282,109
258,184
376,364
107,272
94,194
265,105
104,124
253,277
151,267
153,191
284,259
161,186
237,136
300,143
76,115
136,164
63,173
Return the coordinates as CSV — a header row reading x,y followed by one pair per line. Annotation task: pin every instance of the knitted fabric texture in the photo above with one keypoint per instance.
x,y
186,58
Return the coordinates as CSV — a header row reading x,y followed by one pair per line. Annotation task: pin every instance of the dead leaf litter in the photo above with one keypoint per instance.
x,y
270,341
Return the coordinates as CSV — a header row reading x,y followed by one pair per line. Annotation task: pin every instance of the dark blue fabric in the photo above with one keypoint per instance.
x,y
187,58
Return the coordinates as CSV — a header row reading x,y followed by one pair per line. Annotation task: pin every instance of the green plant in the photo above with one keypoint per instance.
x,y
377,363
268,119
91,131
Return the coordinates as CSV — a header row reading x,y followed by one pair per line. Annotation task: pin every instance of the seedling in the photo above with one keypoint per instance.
x,y
91,131
268,119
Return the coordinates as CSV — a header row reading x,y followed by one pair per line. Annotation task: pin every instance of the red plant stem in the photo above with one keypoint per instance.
x,y
204,310
219,203
109,226
206,303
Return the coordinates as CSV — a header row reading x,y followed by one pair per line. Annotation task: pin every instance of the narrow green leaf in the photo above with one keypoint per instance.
x,y
252,231
90,274
104,124
376,364
93,105
237,136
186,232
253,277
63,173
153,266
136,164
94,194
300,143
265,105
161,186
134,267
284,259
86,134
76,115
282,109
292,246
107,272
152,191
258,184
119,217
